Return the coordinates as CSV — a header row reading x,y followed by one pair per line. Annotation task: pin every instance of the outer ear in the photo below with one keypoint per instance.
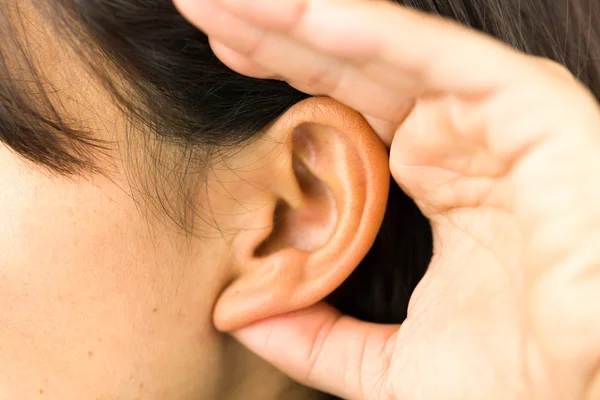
x,y
323,213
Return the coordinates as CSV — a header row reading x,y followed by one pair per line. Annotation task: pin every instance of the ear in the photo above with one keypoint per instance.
x,y
323,195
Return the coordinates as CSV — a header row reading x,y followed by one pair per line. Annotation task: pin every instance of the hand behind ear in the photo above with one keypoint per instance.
x,y
498,149
321,178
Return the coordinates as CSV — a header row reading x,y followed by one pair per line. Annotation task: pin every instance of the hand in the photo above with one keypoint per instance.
x,y
500,150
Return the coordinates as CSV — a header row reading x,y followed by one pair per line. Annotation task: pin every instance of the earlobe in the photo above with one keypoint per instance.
x,y
326,211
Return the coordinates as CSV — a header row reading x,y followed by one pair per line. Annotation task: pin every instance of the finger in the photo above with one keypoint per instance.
x,y
384,128
239,62
214,20
300,65
382,36
322,349
317,75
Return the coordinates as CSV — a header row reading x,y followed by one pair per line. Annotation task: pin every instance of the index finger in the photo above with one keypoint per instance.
x,y
389,43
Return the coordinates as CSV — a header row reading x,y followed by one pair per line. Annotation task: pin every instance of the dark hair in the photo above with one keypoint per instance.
x,y
181,95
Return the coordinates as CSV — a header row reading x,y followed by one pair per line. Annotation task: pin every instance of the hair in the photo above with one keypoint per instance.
x,y
178,94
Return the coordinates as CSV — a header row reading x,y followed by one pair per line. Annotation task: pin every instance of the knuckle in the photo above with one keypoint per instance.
x,y
554,68
315,353
324,80
252,47
560,70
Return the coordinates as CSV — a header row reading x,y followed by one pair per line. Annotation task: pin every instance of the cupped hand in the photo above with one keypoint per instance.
x,y
500,150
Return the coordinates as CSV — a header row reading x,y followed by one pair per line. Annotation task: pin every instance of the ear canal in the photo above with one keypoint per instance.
x,y
315,213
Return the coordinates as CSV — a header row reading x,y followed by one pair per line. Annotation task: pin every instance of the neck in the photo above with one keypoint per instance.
x,y
251,378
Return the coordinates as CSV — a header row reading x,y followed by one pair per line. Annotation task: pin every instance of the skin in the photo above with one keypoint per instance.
x,y
501,159
103,297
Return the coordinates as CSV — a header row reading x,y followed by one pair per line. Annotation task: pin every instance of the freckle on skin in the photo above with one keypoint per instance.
x,y
155,310
41,391
90,353
141,385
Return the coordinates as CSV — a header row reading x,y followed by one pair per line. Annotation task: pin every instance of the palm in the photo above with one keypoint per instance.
x,y
467,313
473,309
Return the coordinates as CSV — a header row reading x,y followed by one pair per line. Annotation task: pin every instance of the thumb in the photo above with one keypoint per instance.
x,y
320,348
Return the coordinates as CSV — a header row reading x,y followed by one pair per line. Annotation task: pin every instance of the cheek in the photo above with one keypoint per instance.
x,y
91,302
